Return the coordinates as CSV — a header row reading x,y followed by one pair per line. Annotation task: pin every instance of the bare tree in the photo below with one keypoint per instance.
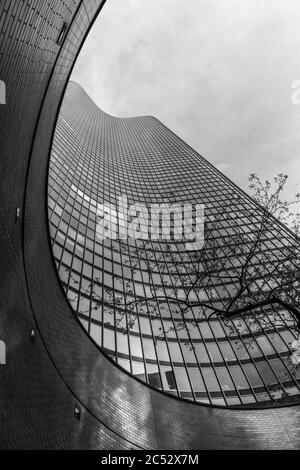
x,y
248,256
249,269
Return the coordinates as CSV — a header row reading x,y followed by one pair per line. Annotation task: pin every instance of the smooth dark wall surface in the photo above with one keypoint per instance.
x,y
45,379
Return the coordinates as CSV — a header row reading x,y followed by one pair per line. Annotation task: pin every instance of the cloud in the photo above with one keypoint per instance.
x,y
219,74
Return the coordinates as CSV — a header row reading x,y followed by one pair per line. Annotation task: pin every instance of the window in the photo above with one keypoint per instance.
x,y
267,373
240,350
210,379
238,377
162,351
265,346
122,343
227,351
168,378
109,339
149,350
135,346
201,353
214,352
182,379
138,370
252,375
196,379
224,379
175,352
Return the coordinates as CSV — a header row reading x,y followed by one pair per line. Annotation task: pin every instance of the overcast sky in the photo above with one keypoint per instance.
x,y
218,73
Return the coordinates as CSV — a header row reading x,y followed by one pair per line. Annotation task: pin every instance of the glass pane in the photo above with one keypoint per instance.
x,y
210,379
162,351
267,373
253,349
182,379
188,353
169,329
149,350
122,342
109,339
265,345
233,401
240,350
124,363
201,353
238,377
84,306
279,370
175,352
157,328
288,337
218,401
138,370
153,376
252,375
214,352
196,379
278,343
96,333
217,329
85,323
205,330
135,346
227,351
248,399
145,326
224,379
168,378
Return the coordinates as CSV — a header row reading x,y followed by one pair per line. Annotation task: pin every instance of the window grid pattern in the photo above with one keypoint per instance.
x,y
96,159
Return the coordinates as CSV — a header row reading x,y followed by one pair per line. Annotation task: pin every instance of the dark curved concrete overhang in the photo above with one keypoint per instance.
x,y
47,377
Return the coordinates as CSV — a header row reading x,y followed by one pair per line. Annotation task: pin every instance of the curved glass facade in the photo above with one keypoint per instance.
x,y
126,291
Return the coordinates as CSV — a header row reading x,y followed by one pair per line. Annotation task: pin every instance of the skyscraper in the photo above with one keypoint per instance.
x,y
58,390
127,290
